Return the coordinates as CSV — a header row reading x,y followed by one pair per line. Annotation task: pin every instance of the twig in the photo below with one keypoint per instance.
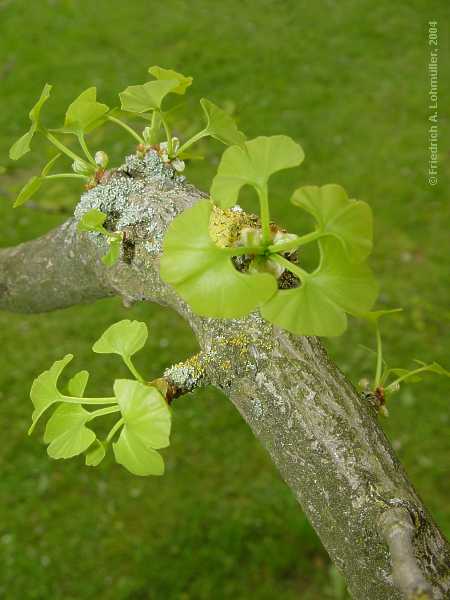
x,y
399,531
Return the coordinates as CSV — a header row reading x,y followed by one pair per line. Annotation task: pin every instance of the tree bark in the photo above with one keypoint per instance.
x,y
323,437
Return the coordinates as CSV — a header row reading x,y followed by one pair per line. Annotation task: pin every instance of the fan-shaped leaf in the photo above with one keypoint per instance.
x,y
95,454
203,274
34,184
143,98
318,305
147,423
113,254
66,431
168,74
131,453
77,384
348,220
44,391
85,113
23,144
253,164
93,220
124,338
145,411
220,125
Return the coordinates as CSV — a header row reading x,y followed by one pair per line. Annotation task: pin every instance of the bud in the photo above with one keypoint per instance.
x,y
147,135
81,168
250,237
178,165
383,411
363,384
261,264
281,237
175,144
101,159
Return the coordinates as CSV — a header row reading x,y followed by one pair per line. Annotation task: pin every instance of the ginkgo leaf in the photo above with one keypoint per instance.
x,y
147,423
335,213
66,431
35,112
84,113
414,375
95,454
253,164
374,315
145,412
44,391
146,97
319,304
77,384
113,254
131,453
92,220
34,184
433,367
203,274
28,190
23,144
124,338
220,125
171,75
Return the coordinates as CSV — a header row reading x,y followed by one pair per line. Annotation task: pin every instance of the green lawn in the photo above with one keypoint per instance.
x,y
347,80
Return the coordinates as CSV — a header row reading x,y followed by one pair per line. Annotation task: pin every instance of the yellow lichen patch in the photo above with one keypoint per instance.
x,y
225,225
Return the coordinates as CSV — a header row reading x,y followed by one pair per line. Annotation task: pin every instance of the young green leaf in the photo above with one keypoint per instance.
x,y
95,454
66,431
34,184
168,74
220,125
203,274
147,97
44,391
414,375
93,220
113,254
433,367
319,304
77,384
124,338
140,460
253,165
374,315
28,190
350,221
147,423
23,144
85,113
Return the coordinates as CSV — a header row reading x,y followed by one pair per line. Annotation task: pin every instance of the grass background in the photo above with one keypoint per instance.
x,y
348,80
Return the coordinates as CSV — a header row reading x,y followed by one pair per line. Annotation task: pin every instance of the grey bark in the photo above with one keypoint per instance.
x,y
323,437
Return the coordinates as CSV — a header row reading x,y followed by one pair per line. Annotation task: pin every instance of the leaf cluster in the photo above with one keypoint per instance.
x,y
387,380
145,101
205,273
145,419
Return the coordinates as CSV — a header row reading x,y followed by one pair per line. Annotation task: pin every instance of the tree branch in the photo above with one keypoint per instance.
x,y
399,532
53,271
324,438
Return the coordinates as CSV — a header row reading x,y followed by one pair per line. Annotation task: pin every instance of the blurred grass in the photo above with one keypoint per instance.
x,y
348,80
